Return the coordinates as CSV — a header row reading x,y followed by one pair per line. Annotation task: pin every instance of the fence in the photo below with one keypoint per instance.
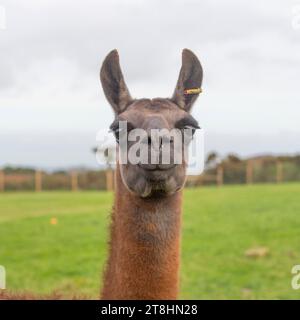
x,y
248,172
39,181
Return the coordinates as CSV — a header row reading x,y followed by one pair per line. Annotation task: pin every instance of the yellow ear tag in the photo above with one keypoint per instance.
x,y
192,91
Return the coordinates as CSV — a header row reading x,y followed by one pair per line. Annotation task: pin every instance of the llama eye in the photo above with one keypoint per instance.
x,y
116,133
119,131
114,128
188,133
190,130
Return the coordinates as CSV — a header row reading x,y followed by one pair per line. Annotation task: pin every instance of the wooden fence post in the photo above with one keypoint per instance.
x,y
38,180
2,180
74,181
109,179
220,176
249,172
279,171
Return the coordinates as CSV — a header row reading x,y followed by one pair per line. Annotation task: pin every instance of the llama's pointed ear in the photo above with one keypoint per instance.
x,y
189,82
113,83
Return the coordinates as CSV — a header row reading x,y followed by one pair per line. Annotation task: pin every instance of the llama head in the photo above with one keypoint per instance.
x,y
153,134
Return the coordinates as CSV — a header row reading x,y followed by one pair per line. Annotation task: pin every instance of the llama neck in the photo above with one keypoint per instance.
x,y
144,250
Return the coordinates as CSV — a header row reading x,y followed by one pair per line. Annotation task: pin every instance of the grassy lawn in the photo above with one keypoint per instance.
x,y
220,224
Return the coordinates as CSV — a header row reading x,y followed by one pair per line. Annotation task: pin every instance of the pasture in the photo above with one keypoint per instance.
x,y
58,240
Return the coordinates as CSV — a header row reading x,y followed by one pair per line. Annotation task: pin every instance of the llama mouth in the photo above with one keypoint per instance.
x,y
157,175
157,167
150,168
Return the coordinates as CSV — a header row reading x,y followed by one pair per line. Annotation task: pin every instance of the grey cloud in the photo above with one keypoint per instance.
x,y
144,31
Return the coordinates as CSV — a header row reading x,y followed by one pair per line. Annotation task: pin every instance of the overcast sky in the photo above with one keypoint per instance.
x,y
52,105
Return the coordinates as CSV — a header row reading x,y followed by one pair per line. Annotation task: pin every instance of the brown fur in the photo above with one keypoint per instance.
x,y
144,250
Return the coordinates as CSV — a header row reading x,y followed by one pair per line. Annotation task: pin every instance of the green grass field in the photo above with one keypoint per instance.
x,y
219,225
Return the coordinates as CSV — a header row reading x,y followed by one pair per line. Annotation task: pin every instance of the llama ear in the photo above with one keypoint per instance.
x,y
113,83
189,82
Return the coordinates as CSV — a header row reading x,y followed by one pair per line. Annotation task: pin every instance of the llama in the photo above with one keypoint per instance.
x,y
144,248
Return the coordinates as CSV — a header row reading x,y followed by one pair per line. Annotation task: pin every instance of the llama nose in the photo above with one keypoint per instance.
x,y
157,152
157,140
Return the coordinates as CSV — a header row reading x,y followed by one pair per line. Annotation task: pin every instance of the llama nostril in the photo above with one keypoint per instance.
x,y
147,140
